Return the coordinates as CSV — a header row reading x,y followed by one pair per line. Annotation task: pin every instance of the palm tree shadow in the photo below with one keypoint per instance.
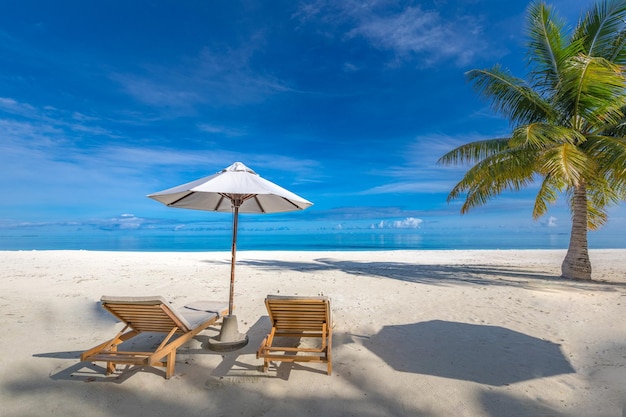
x,y
503,404
436,274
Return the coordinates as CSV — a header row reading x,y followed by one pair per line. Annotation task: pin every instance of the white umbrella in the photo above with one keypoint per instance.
x,y
238,189
234,187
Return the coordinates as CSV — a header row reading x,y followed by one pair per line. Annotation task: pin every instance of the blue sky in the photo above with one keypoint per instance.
x,y
346,103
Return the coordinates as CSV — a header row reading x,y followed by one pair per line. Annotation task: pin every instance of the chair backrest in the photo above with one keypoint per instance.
x,y
146,314
293,313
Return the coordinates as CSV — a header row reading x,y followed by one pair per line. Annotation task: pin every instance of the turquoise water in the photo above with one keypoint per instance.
x,y
193,241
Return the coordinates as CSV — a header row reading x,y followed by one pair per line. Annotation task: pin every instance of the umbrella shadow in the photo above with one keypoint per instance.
x,y
234,363
489,355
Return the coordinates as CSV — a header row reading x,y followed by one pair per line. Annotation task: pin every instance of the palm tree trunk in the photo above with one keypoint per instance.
x,y
576,264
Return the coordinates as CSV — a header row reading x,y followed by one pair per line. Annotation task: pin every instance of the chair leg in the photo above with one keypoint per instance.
x,y
329,358
170,364
110,368
111,365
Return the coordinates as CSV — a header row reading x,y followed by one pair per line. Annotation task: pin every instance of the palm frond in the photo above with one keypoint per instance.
x,y
591,92
547,195
544,135
473,151
596,218
615,130
602,194
597,215
601,27
568,163
509,95
545,32
617,55
608,150
610,154
599,197
512,169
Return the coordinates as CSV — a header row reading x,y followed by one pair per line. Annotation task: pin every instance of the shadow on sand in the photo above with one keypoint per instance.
x,y
437,274
489,355
241,363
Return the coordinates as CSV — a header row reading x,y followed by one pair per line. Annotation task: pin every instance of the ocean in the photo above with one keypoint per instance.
x,y
285,240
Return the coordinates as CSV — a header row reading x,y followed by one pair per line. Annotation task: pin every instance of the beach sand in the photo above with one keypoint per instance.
x,y
417,333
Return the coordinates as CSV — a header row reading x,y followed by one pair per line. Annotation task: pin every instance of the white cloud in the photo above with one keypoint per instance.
x,y
221,130
552,222
417,170
412,31
408,223
125,221
53,137
53,162
9,105
216,77
419,185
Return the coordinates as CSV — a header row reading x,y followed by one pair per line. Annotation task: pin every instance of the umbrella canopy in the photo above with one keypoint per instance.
x,y
237,189
221,192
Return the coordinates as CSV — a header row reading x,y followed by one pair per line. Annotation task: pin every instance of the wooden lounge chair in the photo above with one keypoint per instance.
x,y
152,314
297,317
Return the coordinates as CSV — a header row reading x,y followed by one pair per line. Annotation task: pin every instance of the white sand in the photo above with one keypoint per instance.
x,y
417,333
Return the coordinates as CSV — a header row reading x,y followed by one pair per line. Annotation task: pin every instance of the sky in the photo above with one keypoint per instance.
x,y
348,104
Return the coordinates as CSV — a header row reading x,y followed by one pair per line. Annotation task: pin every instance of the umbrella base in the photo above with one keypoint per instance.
x,y
229,338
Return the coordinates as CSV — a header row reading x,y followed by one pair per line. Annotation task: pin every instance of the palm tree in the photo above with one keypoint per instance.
x,y
568,124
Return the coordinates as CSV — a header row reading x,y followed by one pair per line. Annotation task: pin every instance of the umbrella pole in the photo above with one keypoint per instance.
x,y
233,260
229,338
